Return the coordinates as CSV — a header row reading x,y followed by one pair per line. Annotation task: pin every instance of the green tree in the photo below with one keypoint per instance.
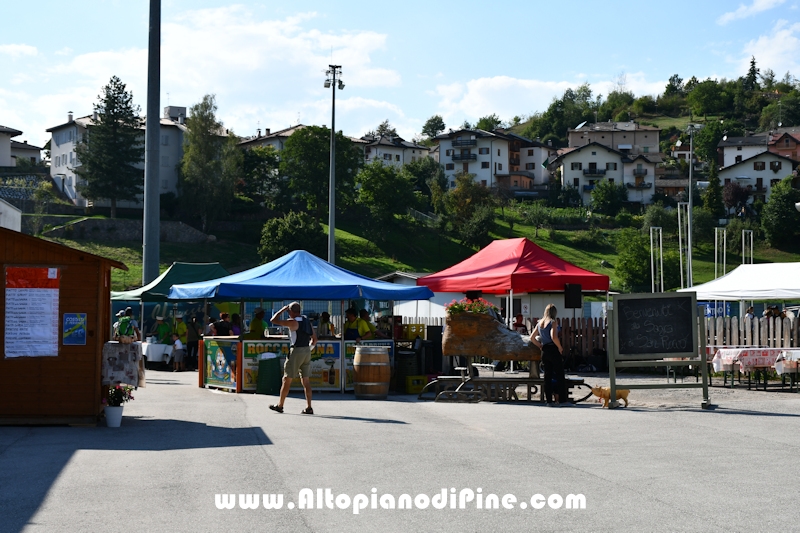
x,y
305,161
751,80
705,98
535,214
489,123
615,103
43,196
109,153
384,128
608,198
780,219
260,180
708,137
786,111
674,86
210,166
433,126
425,171
633,261
293,231
657,216
465,209
475,231
384,192
712,196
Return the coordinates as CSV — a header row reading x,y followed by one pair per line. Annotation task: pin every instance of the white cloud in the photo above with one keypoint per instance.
x,y
18,50
744,11
779,50
64,51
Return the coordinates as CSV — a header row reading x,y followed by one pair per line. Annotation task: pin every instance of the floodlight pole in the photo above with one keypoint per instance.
x,y
152,209
332,72
689,215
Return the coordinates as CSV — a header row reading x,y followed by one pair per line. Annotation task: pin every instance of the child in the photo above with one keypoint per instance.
x,y
177,354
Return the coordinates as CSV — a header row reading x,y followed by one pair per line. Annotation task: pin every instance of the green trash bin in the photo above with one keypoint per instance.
x,y
269,377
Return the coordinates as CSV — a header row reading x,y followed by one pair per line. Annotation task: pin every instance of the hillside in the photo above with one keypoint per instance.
x,y
424,251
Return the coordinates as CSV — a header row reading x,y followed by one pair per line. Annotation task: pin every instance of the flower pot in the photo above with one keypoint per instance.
x,y
113,416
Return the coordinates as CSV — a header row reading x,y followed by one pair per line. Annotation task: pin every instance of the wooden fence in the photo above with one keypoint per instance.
x,y
770,332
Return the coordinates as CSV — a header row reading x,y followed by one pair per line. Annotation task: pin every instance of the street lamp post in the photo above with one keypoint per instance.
x,y
689,283
331,81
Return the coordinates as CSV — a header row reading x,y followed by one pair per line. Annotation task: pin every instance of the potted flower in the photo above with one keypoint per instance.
x,y
117,396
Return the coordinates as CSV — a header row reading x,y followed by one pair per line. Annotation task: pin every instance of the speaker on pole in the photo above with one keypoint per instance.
x,y
572,296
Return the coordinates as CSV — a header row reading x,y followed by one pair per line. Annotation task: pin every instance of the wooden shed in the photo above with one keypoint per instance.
x,y
55,316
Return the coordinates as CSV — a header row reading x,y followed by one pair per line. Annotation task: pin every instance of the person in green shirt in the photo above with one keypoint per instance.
x,y
181,329
257,325
163,331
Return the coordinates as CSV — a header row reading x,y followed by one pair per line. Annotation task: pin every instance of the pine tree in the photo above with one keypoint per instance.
x,y
712,197
109,153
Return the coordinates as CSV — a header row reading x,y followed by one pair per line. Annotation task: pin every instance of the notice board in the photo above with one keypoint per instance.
x,y
656,325
31,313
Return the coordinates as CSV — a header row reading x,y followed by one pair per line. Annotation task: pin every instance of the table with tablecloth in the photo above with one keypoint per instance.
x,y
784,360
122,363
156,353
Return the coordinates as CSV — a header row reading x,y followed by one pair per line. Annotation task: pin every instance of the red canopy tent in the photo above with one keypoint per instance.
x,y
513,265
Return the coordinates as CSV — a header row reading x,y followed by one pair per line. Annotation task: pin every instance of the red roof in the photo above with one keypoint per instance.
x,y
513,264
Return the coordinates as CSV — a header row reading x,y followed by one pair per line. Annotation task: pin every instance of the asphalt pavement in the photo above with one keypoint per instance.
x,y
655,466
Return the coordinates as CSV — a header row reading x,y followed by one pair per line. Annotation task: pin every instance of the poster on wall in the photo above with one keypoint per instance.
x,y
220,363
74,329
31,313
325,363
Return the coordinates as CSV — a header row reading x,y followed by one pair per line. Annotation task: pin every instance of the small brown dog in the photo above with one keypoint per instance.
x,y
604,393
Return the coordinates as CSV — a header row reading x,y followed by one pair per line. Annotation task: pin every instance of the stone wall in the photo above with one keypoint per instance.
x,y
112,230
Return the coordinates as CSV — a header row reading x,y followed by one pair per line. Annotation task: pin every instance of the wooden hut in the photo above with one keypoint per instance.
x,y
55,314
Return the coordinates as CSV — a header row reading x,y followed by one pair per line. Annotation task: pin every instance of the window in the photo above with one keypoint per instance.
x,y
484,164
71,157
165,140
611,180
577,166
758,165
164,161
483,151
450,166
452,184
448,152
397,157
594,153
387,157
773,183
529,166
530,152
738,148
516,183
775,165
576,182
483,182
498,151
646,149
727,181
739,159
786,142
611,166
413,158
499,166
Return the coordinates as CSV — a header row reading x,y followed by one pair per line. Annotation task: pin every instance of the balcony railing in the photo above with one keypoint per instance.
x,y
594,172
465,157
465,142
513,161
640,172
640,186
587,188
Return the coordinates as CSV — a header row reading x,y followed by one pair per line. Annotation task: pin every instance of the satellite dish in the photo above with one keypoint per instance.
x,y
724,137
779,124
678,144
582,124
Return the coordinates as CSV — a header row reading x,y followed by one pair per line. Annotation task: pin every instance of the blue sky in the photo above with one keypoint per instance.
x,y
402,61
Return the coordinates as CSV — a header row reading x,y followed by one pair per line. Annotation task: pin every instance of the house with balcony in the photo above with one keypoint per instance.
x,y
625,137
786,143
584,167
63,156
392,150
759,173
11,151
498,159
733,150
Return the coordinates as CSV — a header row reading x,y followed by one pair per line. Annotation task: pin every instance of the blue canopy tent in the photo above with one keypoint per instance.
x,y
298,275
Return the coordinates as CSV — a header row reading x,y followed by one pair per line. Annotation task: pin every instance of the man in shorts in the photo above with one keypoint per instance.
x,y
303,339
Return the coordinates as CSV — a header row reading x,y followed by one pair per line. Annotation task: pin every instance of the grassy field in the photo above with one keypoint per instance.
x,y
421,250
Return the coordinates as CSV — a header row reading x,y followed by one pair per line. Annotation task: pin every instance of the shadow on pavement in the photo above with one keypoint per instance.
x,y
32,458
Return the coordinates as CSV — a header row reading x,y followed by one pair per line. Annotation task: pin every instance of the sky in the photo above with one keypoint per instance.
x,y
403,61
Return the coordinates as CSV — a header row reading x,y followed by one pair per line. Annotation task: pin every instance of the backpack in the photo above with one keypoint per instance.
x,y
304,332
125,328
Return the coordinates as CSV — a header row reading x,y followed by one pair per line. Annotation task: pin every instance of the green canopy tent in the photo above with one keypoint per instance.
x,y
158,289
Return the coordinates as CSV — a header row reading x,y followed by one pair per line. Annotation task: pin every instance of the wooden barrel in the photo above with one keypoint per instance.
x,y
372,372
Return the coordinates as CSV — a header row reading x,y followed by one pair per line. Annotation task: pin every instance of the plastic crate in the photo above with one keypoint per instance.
x,y
415,384
412,331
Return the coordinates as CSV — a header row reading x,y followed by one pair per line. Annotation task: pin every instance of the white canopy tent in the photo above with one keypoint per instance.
x,y
769,281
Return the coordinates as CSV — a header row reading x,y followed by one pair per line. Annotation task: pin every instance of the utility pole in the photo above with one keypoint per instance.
x,y
152,208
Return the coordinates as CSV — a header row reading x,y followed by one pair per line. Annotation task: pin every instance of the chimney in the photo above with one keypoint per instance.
x,y
26,142
550,143
69,116
259,132
94,116
266,132
180,119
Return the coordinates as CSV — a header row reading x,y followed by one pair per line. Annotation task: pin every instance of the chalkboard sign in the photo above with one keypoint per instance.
x,y
656,324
